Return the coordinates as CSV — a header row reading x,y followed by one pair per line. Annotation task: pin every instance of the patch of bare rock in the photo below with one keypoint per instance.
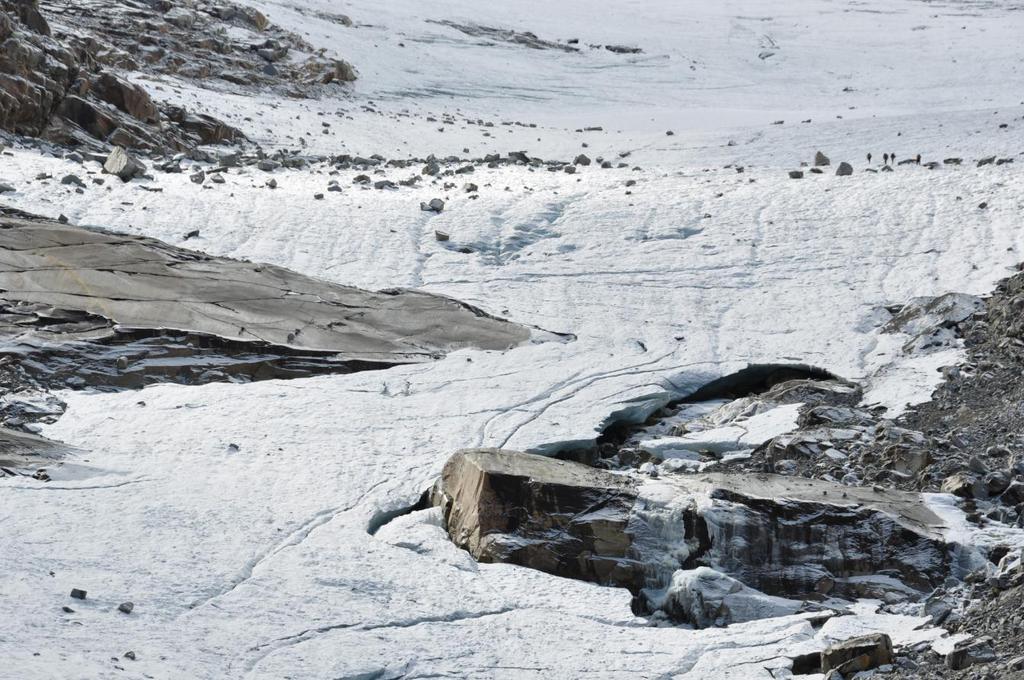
x,y
66,69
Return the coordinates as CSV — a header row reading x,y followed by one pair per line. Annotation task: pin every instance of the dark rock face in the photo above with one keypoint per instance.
x,y
127,97
55,85
58,77
558,517
122,302
801,537
792,537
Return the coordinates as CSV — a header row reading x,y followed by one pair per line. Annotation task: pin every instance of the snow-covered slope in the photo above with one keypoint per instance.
x,y
267,562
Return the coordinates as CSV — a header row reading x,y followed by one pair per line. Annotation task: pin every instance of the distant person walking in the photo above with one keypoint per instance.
x,y
885,158
869,159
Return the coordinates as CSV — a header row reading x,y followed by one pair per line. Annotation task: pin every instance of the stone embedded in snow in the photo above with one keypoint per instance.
x,y
441,236
623,49
435,205
844,169
339,71
796,174
126,607
781,535
705,597
123,164
821,159
6,188
582,159
78,593
858,654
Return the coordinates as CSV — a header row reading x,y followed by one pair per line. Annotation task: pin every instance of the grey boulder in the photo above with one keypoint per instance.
x,y
121,163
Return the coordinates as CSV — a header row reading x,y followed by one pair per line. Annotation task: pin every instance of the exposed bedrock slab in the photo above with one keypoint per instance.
x,y
84,284
786,536
20,450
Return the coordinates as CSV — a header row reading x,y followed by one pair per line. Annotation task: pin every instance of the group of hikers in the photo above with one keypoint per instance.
x,y
890,158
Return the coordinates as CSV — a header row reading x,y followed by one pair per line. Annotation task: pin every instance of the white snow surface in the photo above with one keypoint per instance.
x,y
267,562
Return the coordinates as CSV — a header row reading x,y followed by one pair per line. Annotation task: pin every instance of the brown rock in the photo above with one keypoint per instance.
x,y
127,97
495,502
859,654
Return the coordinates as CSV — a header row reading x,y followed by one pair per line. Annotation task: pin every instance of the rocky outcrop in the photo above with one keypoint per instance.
x,y
857,654
803,539
126,97
60,85
931,322
559,517
95,290
62,79
20,451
